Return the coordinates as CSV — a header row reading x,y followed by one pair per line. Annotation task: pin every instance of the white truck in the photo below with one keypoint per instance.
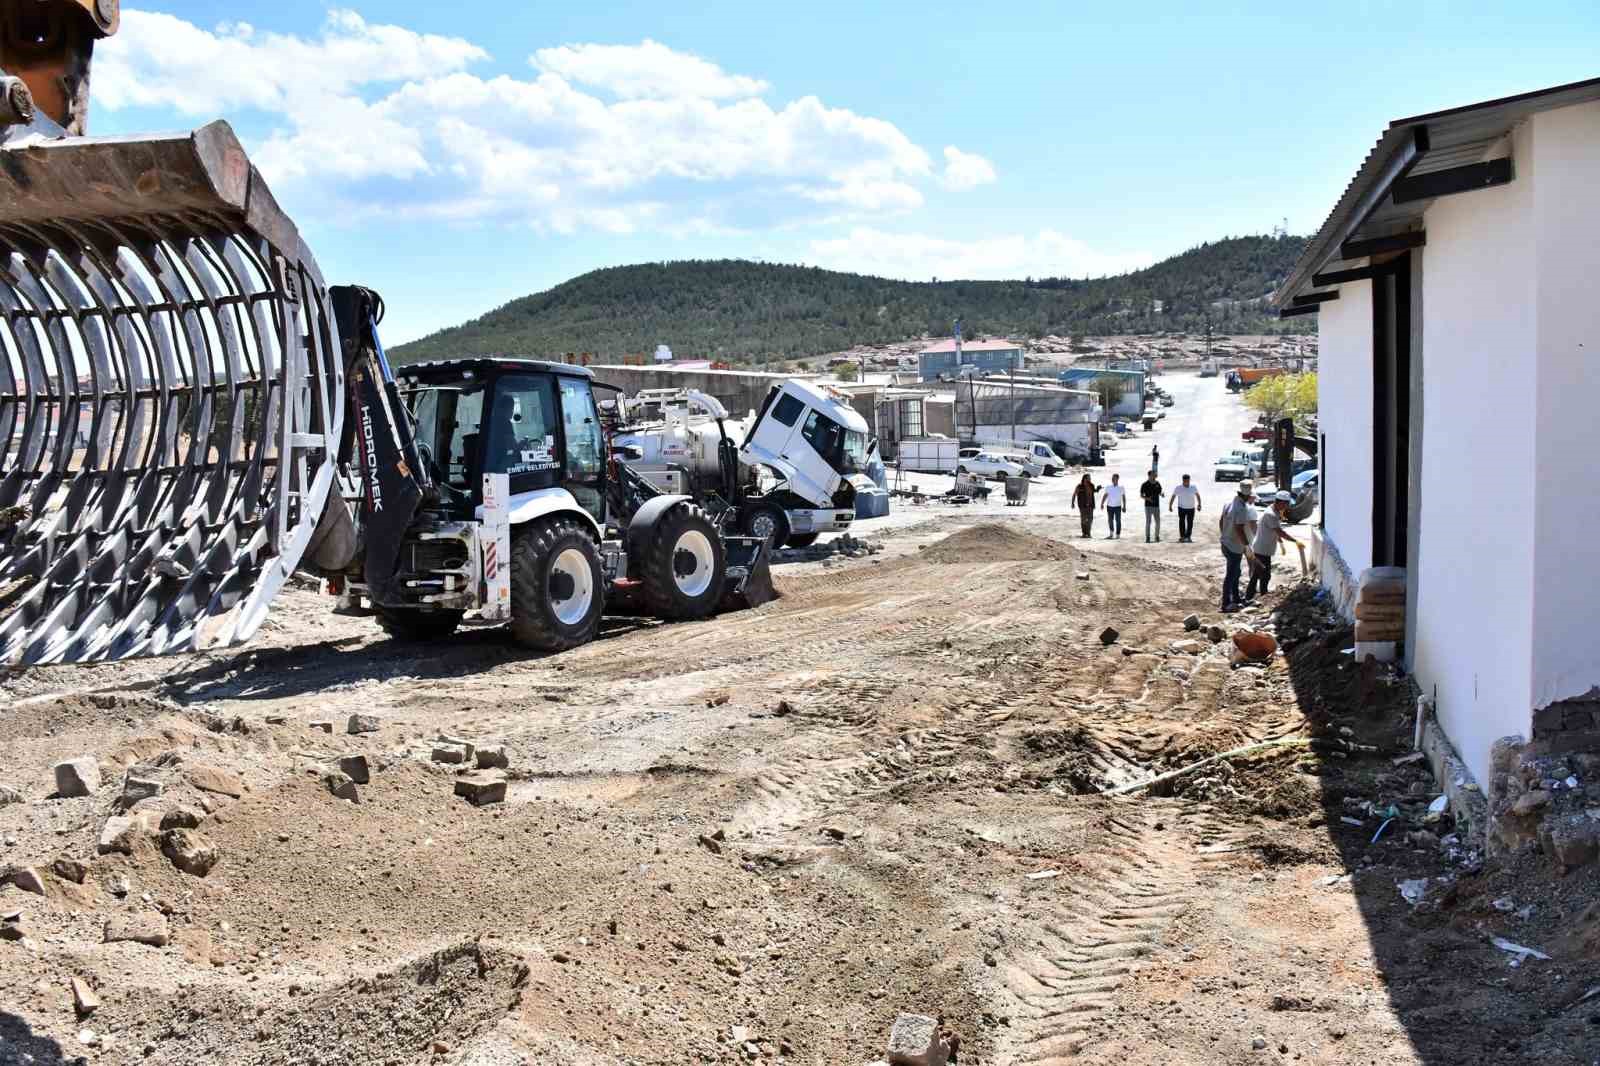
x,y
800,463
1037,452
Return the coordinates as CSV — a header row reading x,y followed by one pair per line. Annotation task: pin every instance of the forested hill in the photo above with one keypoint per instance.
x,y
742,311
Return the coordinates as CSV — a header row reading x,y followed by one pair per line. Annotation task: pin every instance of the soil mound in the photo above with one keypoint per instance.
x,y
995,543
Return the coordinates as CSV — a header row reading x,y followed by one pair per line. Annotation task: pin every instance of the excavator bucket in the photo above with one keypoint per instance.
x,y
749,565
171,397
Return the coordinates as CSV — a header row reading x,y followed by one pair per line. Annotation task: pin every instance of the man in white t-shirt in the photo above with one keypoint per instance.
x,y
1116,498
1186,498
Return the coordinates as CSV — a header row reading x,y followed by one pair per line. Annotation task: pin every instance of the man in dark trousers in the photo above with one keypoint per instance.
x,y
1155,458
1115,502
1151,492
1083,499
1187,499
1237,528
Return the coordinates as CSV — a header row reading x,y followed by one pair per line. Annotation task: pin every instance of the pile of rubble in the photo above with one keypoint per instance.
x,y
844,545
1546,801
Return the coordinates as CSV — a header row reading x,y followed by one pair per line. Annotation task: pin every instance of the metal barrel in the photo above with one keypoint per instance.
x,y
171,396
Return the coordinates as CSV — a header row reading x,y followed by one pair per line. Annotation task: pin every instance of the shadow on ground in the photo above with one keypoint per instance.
x,y
21,1046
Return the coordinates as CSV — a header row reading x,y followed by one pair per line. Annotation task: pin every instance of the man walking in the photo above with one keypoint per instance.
x,y
1236,523
1269,534
1155,458
1152,492
1187,499
1116,500
1083,499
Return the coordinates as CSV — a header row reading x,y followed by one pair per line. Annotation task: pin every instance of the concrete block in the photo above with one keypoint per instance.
x,y
362,723
355,768
481,789
183,818
211,779
77,777
121,832
339,784
138,787
453,754
69,869
493,757
914,1041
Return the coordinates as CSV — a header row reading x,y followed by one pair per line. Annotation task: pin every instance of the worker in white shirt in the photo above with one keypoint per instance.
x,y
1186,498
1116,498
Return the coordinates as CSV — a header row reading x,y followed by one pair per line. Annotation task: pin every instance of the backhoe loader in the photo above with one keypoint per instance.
x,y
189,414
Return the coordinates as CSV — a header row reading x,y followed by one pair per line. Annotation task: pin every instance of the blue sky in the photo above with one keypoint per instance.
x,y
456,156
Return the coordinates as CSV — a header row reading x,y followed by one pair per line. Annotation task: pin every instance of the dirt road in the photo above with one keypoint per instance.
x,y
763,836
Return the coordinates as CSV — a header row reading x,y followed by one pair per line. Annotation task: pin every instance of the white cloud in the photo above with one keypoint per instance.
x,y
966,170
645,70
368,119
918,256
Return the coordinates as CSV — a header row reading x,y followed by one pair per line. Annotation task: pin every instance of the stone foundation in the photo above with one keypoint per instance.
x,y
1550,801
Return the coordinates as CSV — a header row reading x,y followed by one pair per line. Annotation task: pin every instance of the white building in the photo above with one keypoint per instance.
x,y
1457,287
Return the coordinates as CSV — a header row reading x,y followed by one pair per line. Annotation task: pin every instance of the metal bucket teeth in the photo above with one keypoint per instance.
x,y
171,397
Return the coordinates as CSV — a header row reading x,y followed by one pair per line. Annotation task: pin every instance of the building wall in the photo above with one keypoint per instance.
x,y
1474,600
1566,578
1344,400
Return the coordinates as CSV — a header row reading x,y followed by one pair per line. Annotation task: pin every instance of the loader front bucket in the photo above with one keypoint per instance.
x,y
171,396
748,561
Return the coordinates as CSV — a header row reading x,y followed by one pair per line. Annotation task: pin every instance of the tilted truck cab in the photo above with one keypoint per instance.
x,y
816,444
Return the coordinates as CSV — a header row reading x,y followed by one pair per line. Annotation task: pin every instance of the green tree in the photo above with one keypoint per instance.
x,y
847,372
1284,396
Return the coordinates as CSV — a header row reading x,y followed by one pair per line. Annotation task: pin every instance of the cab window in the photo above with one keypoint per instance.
x,y
522,431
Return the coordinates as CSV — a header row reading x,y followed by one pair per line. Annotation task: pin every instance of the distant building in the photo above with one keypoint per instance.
x,y
939,361
1122,391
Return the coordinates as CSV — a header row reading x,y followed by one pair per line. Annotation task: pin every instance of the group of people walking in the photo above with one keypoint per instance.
x,y
1087,497
1246,536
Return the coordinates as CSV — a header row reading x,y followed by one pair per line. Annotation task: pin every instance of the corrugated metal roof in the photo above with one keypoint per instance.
x,y
949,345
1456,137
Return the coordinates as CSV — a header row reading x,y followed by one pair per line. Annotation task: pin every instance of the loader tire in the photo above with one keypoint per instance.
x,y
557,585
801,540
682,565
411,625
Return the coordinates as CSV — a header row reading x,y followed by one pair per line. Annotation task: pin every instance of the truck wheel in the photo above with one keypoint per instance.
x,y
410,624
801,540
765,520
681,565
557,587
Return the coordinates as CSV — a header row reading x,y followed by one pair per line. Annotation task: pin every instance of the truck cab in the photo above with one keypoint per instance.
x,y
816,447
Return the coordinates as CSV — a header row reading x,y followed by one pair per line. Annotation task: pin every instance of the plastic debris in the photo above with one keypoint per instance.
x,y
1044,875
1387,822
1517,950
1504,905
1413,890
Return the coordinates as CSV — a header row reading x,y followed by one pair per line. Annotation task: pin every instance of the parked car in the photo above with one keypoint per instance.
x,y
1255,433
990,465
1230,468
1167,401
1303,483
1031,467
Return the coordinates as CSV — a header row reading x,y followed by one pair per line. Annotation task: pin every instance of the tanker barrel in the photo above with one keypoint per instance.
x,y
171,396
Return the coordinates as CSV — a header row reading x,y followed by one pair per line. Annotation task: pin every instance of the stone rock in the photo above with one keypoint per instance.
x,y
77,777
24,877
481,789
121,831
1191,623
321,724
183,818
11,928
339,784
189,851
144,927
362,723
84,999
1108,636
355,768
1572,841
1188,647
9,795
136,788
1529,802
914,1041
453,754
69,869
211,779
493,757
1216,634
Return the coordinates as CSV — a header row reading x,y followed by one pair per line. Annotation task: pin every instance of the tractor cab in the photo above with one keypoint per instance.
x,y
536,422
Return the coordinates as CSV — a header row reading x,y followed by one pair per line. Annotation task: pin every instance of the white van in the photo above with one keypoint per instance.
x,y
1041,458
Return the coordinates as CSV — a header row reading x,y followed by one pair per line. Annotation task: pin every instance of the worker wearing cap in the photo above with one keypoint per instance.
x,y
1236,527
1268,542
